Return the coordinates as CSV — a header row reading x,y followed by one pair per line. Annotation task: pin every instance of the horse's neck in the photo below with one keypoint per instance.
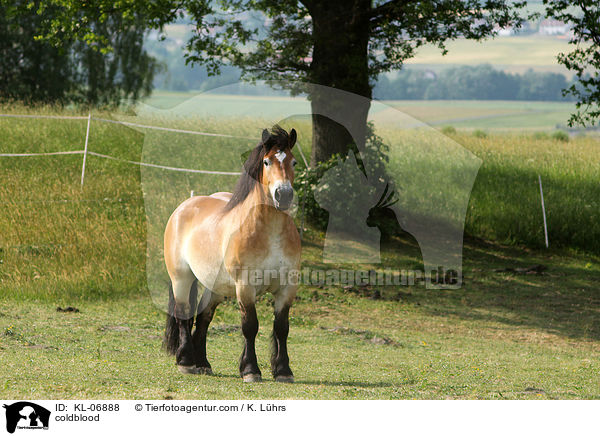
x,y
255,213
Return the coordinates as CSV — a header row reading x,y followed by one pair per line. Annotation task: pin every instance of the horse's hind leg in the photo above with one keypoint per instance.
x,y
249,370
206,311
280,362
185,293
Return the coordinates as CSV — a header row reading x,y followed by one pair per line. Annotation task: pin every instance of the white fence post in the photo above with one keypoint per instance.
x,y
543,211
87,136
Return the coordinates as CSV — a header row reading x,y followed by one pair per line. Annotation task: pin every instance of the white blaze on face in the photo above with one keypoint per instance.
x,y
280,156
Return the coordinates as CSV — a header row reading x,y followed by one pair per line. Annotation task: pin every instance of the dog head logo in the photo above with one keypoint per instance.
x,y
24,414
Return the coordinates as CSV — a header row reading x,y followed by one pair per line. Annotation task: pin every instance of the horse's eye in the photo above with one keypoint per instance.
x,y
267,162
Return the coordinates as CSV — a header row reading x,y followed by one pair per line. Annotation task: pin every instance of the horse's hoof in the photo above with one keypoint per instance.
x,y
284,379
252,378
192,369
204,370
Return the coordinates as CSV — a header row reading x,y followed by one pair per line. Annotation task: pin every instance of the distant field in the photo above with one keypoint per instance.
x,y
514,53
491,114
467,114
215,104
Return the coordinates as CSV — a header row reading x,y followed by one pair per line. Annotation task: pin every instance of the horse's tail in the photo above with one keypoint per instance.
x,y
171,339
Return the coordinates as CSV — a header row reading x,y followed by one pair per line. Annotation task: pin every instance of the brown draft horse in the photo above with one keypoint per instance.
x,y
241,244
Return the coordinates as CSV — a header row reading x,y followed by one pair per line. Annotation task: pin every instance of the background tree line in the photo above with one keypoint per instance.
x,y
34,70
481,82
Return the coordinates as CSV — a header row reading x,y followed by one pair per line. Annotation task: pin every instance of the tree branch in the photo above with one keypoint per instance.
x,y
309,5
386,10
595,36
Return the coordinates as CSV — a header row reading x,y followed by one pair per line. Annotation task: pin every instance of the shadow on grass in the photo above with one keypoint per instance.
x,y
563,300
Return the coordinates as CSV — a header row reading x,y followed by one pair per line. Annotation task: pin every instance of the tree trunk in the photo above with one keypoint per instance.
x,y
340,61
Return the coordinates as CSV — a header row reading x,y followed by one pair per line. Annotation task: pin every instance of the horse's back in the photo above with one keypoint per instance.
x,y
194,210
225,196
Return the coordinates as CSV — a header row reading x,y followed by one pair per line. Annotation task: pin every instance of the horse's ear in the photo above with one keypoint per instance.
x,y
293,137
265,136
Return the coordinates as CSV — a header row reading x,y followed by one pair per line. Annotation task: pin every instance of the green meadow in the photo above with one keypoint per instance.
x,y
512,331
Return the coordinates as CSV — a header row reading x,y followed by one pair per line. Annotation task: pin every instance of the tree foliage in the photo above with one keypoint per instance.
x,y
280,44
34,69
584,60
30,70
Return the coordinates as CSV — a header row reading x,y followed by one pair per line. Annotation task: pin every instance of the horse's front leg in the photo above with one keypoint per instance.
x,y
280,362
246,296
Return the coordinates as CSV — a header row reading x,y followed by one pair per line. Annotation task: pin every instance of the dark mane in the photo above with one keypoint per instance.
x,y
251,174
253,167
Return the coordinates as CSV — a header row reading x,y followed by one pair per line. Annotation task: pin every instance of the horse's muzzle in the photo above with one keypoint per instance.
x,y
283,197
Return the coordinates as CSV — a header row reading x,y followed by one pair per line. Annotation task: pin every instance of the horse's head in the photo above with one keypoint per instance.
x,y
278,166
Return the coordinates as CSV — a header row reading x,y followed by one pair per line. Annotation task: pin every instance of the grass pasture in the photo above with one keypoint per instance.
x,y
504,335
